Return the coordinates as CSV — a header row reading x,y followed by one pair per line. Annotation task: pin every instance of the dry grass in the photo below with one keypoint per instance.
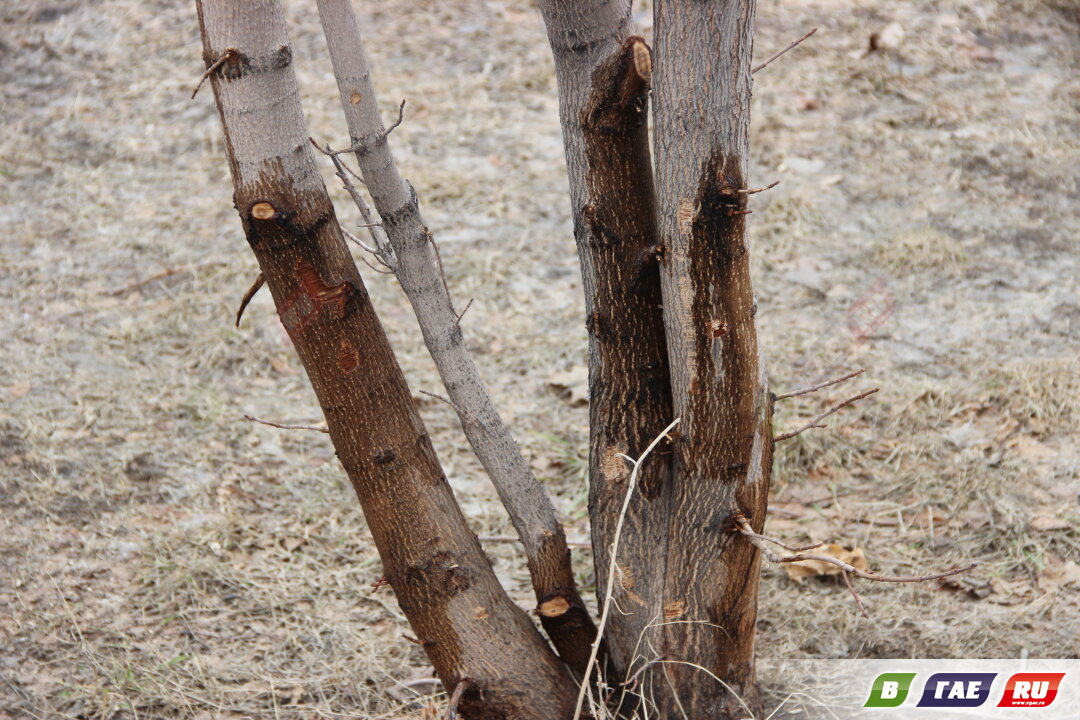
x,y
163,558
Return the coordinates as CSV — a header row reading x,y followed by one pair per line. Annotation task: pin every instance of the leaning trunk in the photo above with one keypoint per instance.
x,y
562,612
444,583
722,461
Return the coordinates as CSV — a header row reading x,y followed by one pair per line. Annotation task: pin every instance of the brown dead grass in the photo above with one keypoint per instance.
x,y
163,558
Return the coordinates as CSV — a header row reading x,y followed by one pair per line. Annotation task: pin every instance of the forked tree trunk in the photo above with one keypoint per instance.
x,y
688,582
604,75
562,612
443,581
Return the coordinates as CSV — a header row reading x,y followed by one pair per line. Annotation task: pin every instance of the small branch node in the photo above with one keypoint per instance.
x,y
229,54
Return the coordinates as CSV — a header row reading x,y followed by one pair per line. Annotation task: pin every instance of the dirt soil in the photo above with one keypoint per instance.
x,y
161,557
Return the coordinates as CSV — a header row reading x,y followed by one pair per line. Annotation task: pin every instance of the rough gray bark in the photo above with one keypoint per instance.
x,y
723,459
562,612
603,75
444,583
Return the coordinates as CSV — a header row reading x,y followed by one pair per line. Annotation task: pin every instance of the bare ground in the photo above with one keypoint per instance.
x,y
161,557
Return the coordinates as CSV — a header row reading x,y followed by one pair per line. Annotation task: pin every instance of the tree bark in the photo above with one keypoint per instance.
x,y
604,75
444,583
562,612
723,459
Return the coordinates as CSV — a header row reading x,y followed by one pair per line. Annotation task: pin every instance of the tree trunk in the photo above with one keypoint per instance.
x,y
723,459
443,581
562,612
604,75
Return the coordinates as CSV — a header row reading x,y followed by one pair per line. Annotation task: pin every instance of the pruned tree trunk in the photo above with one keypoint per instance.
x,y
723,460
688,584
444,583
562,612
604,75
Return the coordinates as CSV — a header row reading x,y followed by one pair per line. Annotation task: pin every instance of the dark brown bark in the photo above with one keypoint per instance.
x,y
562,612
467,625
604,75
724,457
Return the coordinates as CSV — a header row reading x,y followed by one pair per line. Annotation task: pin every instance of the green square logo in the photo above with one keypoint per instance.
x,y
890,690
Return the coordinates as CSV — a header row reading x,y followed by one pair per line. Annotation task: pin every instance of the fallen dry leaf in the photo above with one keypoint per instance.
x,y
571,385
1058,575
799,571
1046,519
19,389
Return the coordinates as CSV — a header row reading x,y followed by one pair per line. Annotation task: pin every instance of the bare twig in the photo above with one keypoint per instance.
x,y
613,564
362,147
815,423
851,589
255,286
745,529
819,386
467,306
354,239
789,47
225,57
285,427
455,698
758,190
387,271
380,583
382,249
442,274
758,541
400,117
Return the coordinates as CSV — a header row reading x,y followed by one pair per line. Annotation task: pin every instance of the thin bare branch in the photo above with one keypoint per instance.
x,y
285,427
819,386
400,117
382,249
455,698
758,190
251,291
851,589
467,306
745,529
758,541
225,57
778,54
815,423
610,587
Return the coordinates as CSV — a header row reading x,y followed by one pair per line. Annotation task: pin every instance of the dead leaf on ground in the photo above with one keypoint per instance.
x,y
799,571
1047,519
1057,575
571,385
20,389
